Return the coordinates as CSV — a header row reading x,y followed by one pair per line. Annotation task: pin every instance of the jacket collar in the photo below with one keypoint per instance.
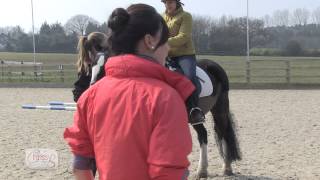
x,y
178,11
129,65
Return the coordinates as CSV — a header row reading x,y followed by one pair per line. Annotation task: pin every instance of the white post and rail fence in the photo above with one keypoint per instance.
x,y
239,72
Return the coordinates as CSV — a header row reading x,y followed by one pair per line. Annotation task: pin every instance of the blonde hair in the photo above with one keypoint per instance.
x,y
94,42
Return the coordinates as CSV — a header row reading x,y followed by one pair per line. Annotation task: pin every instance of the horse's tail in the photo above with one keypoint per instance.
x,y
223,119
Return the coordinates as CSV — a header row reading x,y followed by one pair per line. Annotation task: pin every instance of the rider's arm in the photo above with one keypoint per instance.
x,y
170,141
185,32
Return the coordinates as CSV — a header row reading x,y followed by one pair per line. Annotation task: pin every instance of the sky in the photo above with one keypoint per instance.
x,y
18,12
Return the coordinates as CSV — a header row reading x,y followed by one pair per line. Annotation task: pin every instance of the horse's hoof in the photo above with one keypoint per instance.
x,y
201,178
227,172
202,175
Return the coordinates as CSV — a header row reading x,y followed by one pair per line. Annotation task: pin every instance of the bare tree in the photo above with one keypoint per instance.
x,y
267,20
316,16
6,33
223,20
281,18
78,24
3,38
202,25
300,16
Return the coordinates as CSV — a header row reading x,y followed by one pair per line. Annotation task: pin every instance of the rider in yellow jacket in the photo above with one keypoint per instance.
x,y
180,28
182,52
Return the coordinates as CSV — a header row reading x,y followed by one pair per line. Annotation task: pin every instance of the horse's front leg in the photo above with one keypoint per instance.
x,y
202,171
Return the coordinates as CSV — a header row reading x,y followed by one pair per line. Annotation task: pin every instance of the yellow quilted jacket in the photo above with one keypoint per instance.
x,y
180,29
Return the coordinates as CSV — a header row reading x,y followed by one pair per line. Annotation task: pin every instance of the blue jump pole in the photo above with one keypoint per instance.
x,y
61,108
60,103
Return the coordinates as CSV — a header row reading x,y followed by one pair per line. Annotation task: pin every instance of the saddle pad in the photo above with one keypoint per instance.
x,y
205,81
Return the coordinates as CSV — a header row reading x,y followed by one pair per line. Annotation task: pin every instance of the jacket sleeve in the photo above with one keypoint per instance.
x,y
170,142
77,135
185,32
81,85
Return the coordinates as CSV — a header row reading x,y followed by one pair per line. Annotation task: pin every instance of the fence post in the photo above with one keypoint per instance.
x,y
35,72
2,72
22,73
248,71
288,71
9,72
61,72
41,73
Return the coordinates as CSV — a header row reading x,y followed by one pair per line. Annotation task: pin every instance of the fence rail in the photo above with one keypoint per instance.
x,y
240,72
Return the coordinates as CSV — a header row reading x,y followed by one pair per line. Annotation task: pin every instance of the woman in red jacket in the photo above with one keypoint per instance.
x,y
133,121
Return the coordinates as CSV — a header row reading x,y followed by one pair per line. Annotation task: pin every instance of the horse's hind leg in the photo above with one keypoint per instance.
x,y
225,133
202,171
220,128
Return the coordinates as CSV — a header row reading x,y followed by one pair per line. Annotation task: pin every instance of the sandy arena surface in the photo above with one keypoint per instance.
x,y
278,131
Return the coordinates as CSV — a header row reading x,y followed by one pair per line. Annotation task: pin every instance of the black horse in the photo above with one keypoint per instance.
x,y
218,104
